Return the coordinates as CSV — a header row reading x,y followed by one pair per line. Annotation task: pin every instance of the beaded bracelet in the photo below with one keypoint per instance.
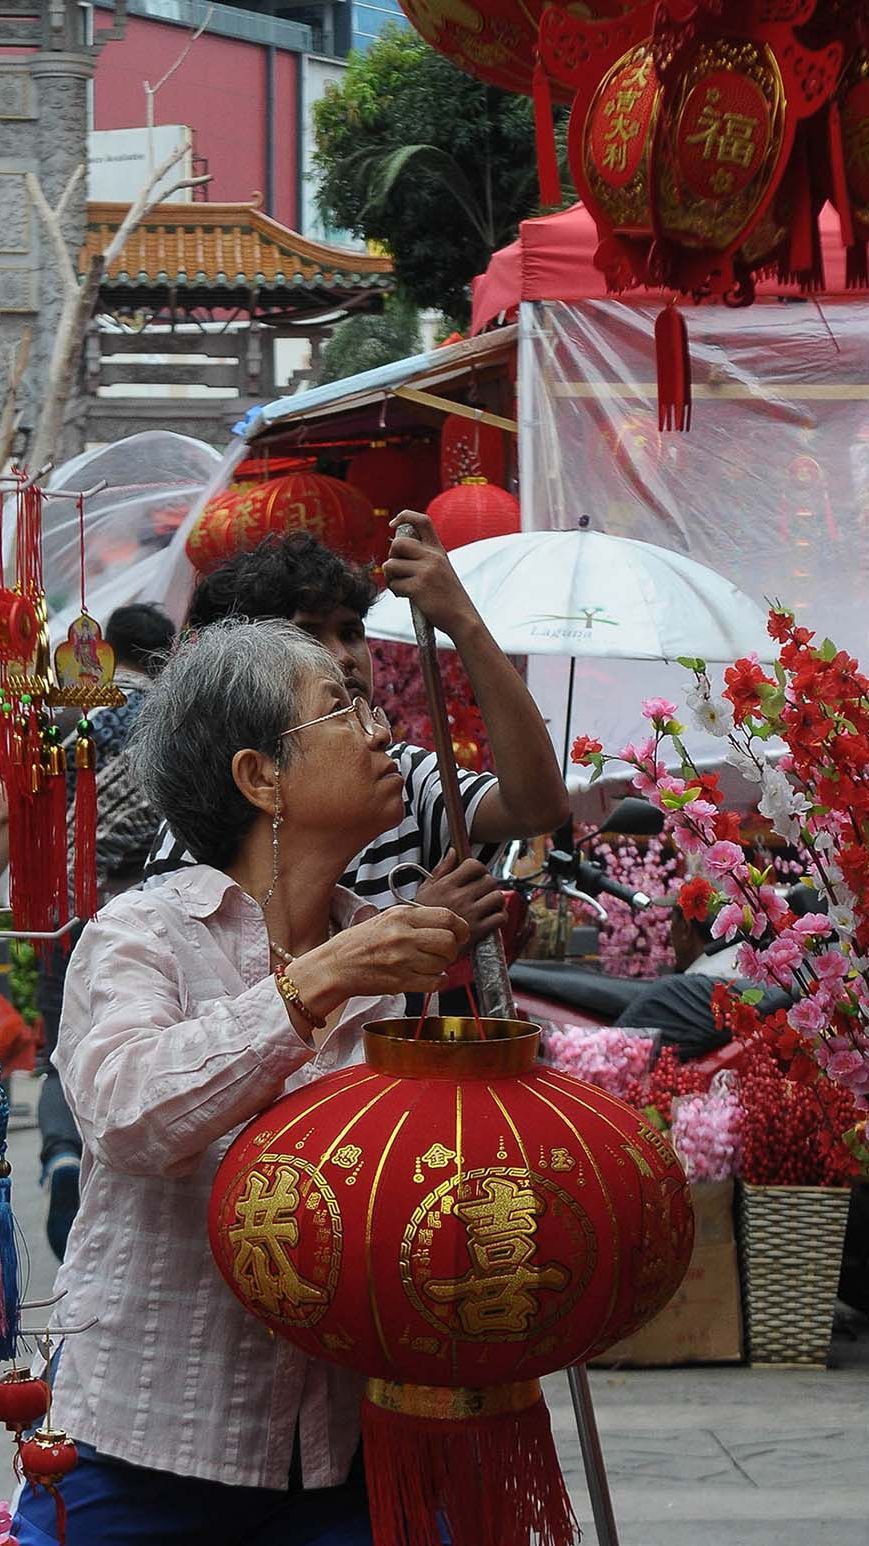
x,y
293,998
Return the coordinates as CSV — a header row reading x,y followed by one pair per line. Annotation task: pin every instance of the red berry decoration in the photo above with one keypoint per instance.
x,y
23,1400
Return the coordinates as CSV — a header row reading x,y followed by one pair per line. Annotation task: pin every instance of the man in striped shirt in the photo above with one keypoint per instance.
x,y
297,578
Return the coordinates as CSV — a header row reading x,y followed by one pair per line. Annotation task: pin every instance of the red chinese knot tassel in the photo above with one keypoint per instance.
x,y
85,878
482,1461
674,369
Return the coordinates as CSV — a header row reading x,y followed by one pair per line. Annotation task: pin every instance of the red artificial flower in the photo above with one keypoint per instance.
x,y
743,680
721,1004
726,827
709,787
584,748
694,898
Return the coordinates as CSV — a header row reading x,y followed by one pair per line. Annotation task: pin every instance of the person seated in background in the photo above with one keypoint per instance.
x,y
299,579
140,636
679,1005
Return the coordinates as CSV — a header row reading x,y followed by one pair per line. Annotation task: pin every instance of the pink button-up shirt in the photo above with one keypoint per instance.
x,y
173,1034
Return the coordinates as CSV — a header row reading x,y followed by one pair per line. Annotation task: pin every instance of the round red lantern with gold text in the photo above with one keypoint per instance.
x,y
610,144
208,544
451,1214
494,40
718,146
453,1221
337,515
473,510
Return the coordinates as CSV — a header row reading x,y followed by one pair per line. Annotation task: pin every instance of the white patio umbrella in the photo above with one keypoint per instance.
x,y
586,594
623,611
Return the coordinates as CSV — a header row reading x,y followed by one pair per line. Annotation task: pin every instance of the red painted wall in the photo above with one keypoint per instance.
x,y
220,92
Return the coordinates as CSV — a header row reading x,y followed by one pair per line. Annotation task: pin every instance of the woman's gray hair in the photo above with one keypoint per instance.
x,y
232,686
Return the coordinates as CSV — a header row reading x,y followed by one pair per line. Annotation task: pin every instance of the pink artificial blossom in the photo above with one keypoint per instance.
x,y
832,966
729,921
694,827
658,709
808,1017
813,925
724,858
774,905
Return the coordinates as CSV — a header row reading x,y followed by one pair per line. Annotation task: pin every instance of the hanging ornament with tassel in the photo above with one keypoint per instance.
x,y
84,668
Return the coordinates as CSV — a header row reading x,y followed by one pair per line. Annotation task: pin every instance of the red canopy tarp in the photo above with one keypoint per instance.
x,y
553,260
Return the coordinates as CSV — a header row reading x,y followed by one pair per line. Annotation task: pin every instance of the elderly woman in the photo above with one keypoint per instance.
x,y
188,1008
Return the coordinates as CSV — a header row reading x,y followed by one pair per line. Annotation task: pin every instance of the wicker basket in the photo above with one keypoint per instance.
x,y
790,1244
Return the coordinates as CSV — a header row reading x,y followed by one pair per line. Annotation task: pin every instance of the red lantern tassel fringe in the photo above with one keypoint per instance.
x,y
55,797
85,886
492,1477
544,135
674,369
59,1506
856,266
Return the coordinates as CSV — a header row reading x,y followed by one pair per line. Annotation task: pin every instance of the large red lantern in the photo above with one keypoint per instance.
x,y
454,1222
472,510
494,40
208,544
337,515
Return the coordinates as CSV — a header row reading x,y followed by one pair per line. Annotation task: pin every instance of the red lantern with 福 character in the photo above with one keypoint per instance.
x,y
472,510
453,1221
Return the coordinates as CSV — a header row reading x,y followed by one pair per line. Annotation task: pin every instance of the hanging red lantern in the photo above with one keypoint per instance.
x,y
23,1400
495,40
337,515
208,544
46,1458
19,626
471,449
453,1221
472,510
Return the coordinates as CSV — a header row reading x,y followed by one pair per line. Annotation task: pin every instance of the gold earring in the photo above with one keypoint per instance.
x,y
277,822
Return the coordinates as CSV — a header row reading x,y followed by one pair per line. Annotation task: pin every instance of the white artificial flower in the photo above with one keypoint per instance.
x,y
781,804
744,764
711,713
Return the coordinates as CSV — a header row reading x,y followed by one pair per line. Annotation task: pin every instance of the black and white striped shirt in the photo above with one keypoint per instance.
x,y
422,836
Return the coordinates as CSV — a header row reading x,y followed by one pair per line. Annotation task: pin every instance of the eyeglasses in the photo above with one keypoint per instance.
x,y
370,720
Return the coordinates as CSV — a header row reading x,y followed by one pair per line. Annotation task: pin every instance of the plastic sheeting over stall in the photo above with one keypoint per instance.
x,y
135,528
770,487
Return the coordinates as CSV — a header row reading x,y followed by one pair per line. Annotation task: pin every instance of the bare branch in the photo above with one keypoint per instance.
x,y
68,343
51,219
68,191
147,200
151,91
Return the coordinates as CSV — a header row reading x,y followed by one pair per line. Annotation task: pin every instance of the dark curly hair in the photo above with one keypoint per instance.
x,y
281,577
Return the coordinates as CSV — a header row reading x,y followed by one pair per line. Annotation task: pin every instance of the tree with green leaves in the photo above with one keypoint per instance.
x,y
370,340
438,167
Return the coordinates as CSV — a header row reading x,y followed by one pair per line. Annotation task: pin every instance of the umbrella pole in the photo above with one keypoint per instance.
x,y
570,684
496,999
